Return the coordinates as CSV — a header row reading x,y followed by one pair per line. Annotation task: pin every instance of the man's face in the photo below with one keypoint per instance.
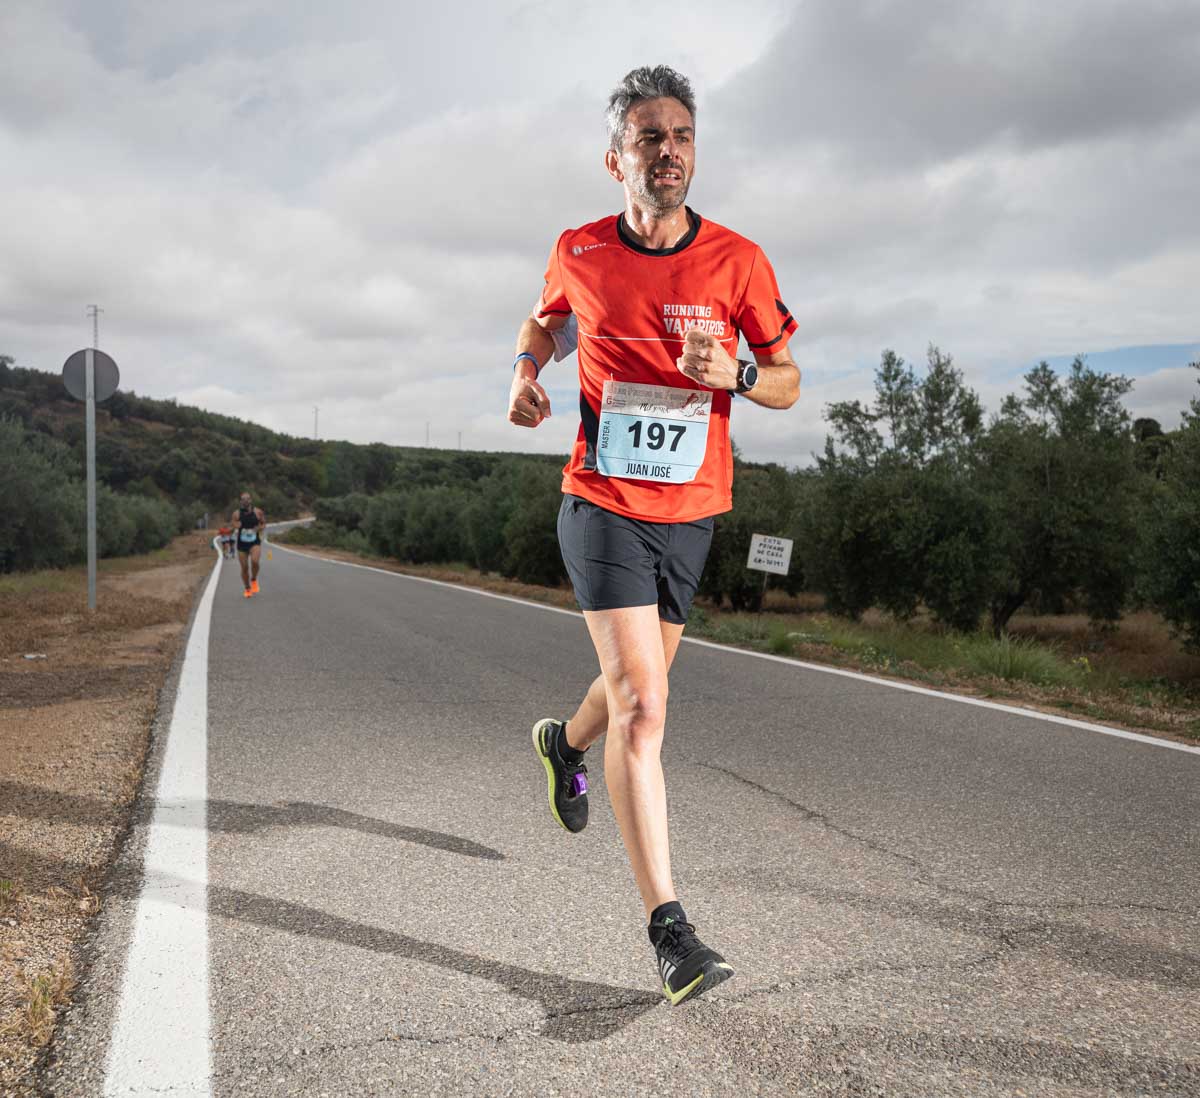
x,y
658,156
245,501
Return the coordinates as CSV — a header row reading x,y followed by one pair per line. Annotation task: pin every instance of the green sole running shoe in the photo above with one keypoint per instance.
x,y
567,782
686,966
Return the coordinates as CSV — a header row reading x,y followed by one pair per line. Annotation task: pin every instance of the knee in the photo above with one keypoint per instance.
x,y
639,716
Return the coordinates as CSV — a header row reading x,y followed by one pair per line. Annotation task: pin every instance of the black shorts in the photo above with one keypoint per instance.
x,y
615,562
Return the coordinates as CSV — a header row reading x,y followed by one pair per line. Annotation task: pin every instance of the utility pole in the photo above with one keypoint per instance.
x,y
460,440
94,312
315,411
427,433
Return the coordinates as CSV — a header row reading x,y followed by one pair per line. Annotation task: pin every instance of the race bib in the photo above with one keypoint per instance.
x,y
652,432
248,535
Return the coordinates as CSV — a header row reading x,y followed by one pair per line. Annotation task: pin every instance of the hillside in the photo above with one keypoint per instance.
x,y
202,460
184,460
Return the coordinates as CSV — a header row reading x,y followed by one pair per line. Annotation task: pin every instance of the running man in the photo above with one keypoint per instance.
x,y
249,524
660,297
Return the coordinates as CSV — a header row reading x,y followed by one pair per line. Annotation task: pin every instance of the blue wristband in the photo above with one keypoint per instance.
x,y
537,366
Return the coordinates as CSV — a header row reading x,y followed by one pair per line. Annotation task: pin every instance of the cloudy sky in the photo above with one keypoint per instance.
x,y
287,205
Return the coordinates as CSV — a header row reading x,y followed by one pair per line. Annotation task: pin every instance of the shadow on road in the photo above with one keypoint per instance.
x,y
576,1010
235,817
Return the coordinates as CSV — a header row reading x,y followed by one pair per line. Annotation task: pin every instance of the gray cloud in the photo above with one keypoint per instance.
x,y
282,206
929,80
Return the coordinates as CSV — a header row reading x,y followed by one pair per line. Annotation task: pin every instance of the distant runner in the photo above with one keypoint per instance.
x,y
660,297
225,535
249,524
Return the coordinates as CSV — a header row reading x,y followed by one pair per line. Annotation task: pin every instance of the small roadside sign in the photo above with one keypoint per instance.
x,y
769,554
74,375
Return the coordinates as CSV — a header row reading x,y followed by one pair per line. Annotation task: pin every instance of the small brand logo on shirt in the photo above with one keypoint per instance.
x,y
677,319
579,249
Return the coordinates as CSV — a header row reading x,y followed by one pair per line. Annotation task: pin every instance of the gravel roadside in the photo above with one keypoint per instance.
x,y
75,725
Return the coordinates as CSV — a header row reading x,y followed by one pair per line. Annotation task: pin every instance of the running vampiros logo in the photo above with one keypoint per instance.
x,y
677,319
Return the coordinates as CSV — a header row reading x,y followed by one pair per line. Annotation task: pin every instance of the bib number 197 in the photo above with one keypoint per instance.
x,y
652,432
656,435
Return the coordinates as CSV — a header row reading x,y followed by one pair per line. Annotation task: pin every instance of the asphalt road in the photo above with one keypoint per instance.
x,y
919,897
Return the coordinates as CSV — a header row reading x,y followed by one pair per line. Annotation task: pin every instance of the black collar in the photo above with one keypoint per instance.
x,y
629,242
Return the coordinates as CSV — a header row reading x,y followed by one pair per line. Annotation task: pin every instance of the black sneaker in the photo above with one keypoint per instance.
x,y
686,965
568,786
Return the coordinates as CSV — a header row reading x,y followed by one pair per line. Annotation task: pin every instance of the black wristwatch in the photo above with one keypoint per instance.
x,y
747,376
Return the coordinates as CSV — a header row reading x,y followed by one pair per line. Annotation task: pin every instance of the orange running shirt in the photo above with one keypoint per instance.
x,y
633,306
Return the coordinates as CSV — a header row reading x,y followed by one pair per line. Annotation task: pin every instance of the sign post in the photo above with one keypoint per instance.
x,y
90,414
769,555
91,376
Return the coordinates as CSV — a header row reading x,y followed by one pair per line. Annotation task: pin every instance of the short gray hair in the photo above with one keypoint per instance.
x,y
648,82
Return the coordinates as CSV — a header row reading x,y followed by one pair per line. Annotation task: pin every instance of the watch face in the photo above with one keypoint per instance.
x,y
749,376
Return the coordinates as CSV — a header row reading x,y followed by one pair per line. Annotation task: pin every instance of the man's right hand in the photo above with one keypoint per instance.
x,y
528,404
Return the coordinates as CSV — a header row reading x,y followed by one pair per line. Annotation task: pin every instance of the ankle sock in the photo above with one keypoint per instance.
x,y
673,910
569,753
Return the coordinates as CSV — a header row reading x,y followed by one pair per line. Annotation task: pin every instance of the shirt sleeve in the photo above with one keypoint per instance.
x,y
566,338
762,317
554,301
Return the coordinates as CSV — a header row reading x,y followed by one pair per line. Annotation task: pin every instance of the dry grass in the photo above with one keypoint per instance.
x,y
1141,648
40,999
10,895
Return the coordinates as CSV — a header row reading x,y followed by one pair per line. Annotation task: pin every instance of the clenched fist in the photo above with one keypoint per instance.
x,y
528,403
704,360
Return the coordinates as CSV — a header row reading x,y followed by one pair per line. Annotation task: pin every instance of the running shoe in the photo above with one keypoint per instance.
x,y
686,966
567,782
247,594
254,587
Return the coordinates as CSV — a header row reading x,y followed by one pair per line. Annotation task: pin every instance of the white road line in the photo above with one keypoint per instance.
x,y
1050,718
161,1037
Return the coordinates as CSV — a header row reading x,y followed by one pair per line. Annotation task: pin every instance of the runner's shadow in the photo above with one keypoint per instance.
x,y
232,817
576,1010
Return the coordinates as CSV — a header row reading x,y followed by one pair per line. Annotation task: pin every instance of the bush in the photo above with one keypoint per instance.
x,y
348,511
385,524
530,531
42,519
154,520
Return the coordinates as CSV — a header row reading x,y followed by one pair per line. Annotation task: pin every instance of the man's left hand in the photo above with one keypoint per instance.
x,y
704,360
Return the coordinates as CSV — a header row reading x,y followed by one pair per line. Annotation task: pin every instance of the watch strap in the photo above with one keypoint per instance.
x,y
741,387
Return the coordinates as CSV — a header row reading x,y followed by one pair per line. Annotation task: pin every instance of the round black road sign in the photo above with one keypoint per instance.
x,y
74,374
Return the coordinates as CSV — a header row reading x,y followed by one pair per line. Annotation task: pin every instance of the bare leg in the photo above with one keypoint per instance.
x,y
630,646
255,554
244,561
591,718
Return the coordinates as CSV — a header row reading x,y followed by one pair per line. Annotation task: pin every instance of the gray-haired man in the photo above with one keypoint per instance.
x,y
660,298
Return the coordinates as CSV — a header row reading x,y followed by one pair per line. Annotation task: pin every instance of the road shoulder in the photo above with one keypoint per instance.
x,y
76,726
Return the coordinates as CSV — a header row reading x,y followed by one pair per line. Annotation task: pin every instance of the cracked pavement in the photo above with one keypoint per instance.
x,y
919,897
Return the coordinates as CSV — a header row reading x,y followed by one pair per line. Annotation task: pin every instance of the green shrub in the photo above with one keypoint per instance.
x,y
1017,658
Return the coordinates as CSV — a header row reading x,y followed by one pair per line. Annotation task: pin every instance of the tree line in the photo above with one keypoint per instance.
x,y
919,502
161,466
